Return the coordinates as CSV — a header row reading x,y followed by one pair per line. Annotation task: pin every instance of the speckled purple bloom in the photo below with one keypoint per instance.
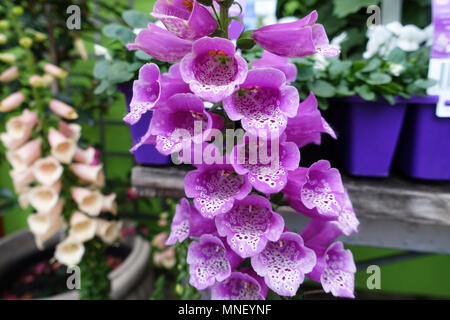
x,y
209,261
238,286
319,233
281,63
188,222
187,19
215,187
161,44
249,225
335,270
306,127
213,69
295,39
316,191
263,103
284,263
181,121
266,176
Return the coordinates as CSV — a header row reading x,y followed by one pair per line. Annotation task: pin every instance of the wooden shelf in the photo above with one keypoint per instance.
x,y
394,213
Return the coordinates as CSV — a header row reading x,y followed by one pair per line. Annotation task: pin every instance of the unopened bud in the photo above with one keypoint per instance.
x,y
10,74
39,36
3,39
7,58
26,42
17,11
47,80
55,71
35,81
4,24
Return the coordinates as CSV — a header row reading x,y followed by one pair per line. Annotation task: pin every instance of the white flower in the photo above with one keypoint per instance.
x,y
82,228
320,62
429,32
89,201
69,252
109,203
410,38
47,170
394,27
101,52
108,231
396,69
337,41
43,198
380,39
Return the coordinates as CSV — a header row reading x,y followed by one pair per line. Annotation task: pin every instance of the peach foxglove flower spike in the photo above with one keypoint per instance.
x,y
47,170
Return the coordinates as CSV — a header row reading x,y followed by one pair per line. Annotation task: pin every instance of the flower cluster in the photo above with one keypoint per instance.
x,y
45,159
231,218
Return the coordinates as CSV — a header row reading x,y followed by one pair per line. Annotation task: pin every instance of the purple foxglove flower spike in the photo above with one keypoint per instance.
x,y
295,39
284,263
146,92
188,222
263,103
181,121
249,225
161,44
186,19
265,176
209,261
212,69
281,63
335,270
316,191
306,127
215,187
238,286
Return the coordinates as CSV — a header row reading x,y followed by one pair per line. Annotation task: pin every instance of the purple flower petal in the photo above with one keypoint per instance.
x,y
187,19
281,63
263,103
238,286
283,264
213,70
249,225
161,44
214,188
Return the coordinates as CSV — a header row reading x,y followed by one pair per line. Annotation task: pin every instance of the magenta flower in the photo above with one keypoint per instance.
x,y
319,233
316,191
188,222
308,124
249,225
186,19
215,187
283,264
295,39
161,44
181,121
267,173
263,103
238,286
335,270
281,63
153,89
212,69
210,261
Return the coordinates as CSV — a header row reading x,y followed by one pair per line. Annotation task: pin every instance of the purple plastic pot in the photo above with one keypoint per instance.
x,y
424,146
147,154
367,134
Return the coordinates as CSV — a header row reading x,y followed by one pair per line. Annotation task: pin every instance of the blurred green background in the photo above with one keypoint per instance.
x,y
424,276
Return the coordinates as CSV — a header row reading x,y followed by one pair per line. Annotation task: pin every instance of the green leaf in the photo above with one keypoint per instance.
x,y
339,68
425,83
101,69
372,65
397,55
118,72
141,55
379,78
101,87
110,30
305,73
343,8
343,90
389,97
323,89
136,19
365,92
134,66
118,32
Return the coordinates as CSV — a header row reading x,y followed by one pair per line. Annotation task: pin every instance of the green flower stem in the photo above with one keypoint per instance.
x,y
224,21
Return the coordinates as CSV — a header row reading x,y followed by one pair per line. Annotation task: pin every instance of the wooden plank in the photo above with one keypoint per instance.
x,y
394,212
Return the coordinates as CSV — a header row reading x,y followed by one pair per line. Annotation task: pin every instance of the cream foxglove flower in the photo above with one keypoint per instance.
x,y
23,200
47,170
71,131
10,74
86,156
89,201
89,174
108,231
22,179
45,225
25,156
69,252
63,148
82,228
109,203
63,110
20,126
43,198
